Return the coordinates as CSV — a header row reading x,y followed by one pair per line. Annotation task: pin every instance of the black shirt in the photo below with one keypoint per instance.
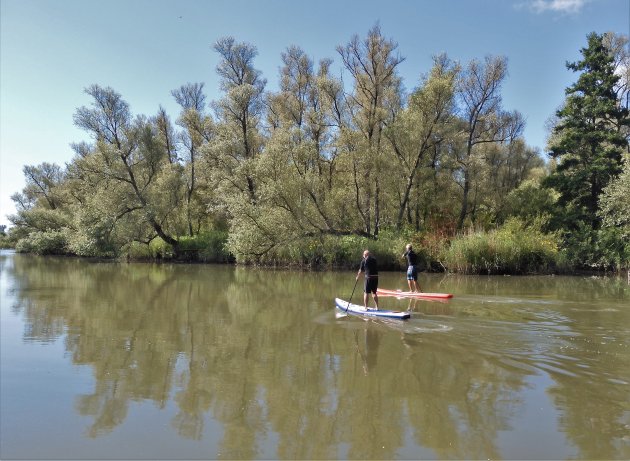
x,y
412,257
369,266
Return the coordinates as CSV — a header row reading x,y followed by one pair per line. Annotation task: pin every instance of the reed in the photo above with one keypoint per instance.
x,y
514,248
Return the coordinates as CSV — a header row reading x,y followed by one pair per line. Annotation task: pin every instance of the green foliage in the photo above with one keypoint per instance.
x,y
314,173
6,242
601,249
528,202
52,242
208,246
513,248
341,251
587,141
615,202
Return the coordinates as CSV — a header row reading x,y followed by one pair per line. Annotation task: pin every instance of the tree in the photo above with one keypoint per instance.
x,y
588,139
506,167
40,204
41,181
296,176
419,129
132,164
299,145
615,202
239,115
372,62
483,119
198,131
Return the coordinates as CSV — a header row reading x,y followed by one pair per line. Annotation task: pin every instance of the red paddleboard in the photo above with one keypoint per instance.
x,y
411,294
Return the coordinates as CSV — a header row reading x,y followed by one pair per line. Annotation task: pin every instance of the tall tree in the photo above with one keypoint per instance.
x,y
239,115
300,140
418,130
483,119
40,204
197,131
130,157
372,62
589,137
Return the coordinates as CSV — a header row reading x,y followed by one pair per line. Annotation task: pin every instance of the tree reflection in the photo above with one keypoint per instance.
x,y
241,346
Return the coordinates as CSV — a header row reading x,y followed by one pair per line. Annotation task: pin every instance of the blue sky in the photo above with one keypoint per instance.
x,y
50,50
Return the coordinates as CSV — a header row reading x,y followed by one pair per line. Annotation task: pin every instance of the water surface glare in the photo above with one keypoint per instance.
x,y
127,361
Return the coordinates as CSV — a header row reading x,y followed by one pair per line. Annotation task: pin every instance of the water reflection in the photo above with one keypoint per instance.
x,y
243,347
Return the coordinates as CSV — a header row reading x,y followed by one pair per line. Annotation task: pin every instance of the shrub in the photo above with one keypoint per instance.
x,y
52,242
336,251
602,249
208,246
511,249
84,244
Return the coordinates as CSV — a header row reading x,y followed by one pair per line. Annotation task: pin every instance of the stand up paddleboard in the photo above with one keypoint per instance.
x,y
345,306
411,294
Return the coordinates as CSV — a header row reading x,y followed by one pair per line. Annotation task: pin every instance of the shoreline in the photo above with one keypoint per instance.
x,y
324,268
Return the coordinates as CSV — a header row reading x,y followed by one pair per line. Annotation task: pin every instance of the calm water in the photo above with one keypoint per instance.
x,y
107,360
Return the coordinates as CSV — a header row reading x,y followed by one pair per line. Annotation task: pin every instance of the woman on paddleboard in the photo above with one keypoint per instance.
x,y
412,270
369,265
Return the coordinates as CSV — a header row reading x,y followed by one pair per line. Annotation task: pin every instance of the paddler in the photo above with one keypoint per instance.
x,y
412,270
370,267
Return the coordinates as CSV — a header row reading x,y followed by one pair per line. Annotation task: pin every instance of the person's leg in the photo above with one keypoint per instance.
x,y
416,287
375,296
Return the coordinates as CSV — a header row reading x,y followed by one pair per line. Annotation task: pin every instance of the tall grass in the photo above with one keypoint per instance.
x,y
513,248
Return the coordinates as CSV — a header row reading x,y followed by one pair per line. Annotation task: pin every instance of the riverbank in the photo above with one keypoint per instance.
x,y
512,249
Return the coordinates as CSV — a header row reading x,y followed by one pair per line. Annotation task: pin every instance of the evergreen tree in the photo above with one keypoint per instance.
x,y
588,139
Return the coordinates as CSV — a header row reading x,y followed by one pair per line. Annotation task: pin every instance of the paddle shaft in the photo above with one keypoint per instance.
x,y
354,288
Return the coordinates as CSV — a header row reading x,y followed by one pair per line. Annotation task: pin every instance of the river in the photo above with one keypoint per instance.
x,y
170,361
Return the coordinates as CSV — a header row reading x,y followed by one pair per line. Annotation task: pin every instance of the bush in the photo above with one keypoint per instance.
x,y
209,246
511,249
6,242
83,244
588,249
52,242
338,251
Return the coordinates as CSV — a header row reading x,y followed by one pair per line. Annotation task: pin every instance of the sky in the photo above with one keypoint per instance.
x,y
51,50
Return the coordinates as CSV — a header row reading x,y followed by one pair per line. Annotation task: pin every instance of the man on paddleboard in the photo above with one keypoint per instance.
x,y
369,265
412,270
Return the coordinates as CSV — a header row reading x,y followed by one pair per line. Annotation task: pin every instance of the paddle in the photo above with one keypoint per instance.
x,y
354,288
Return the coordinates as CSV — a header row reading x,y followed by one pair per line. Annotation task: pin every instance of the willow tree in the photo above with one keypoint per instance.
x,y
197,131
376,95
419,129
300,137
238,140
41,204
295,175
483,120
129,164
506,167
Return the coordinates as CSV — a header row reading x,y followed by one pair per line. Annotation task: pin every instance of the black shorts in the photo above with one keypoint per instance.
x,y
371,284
